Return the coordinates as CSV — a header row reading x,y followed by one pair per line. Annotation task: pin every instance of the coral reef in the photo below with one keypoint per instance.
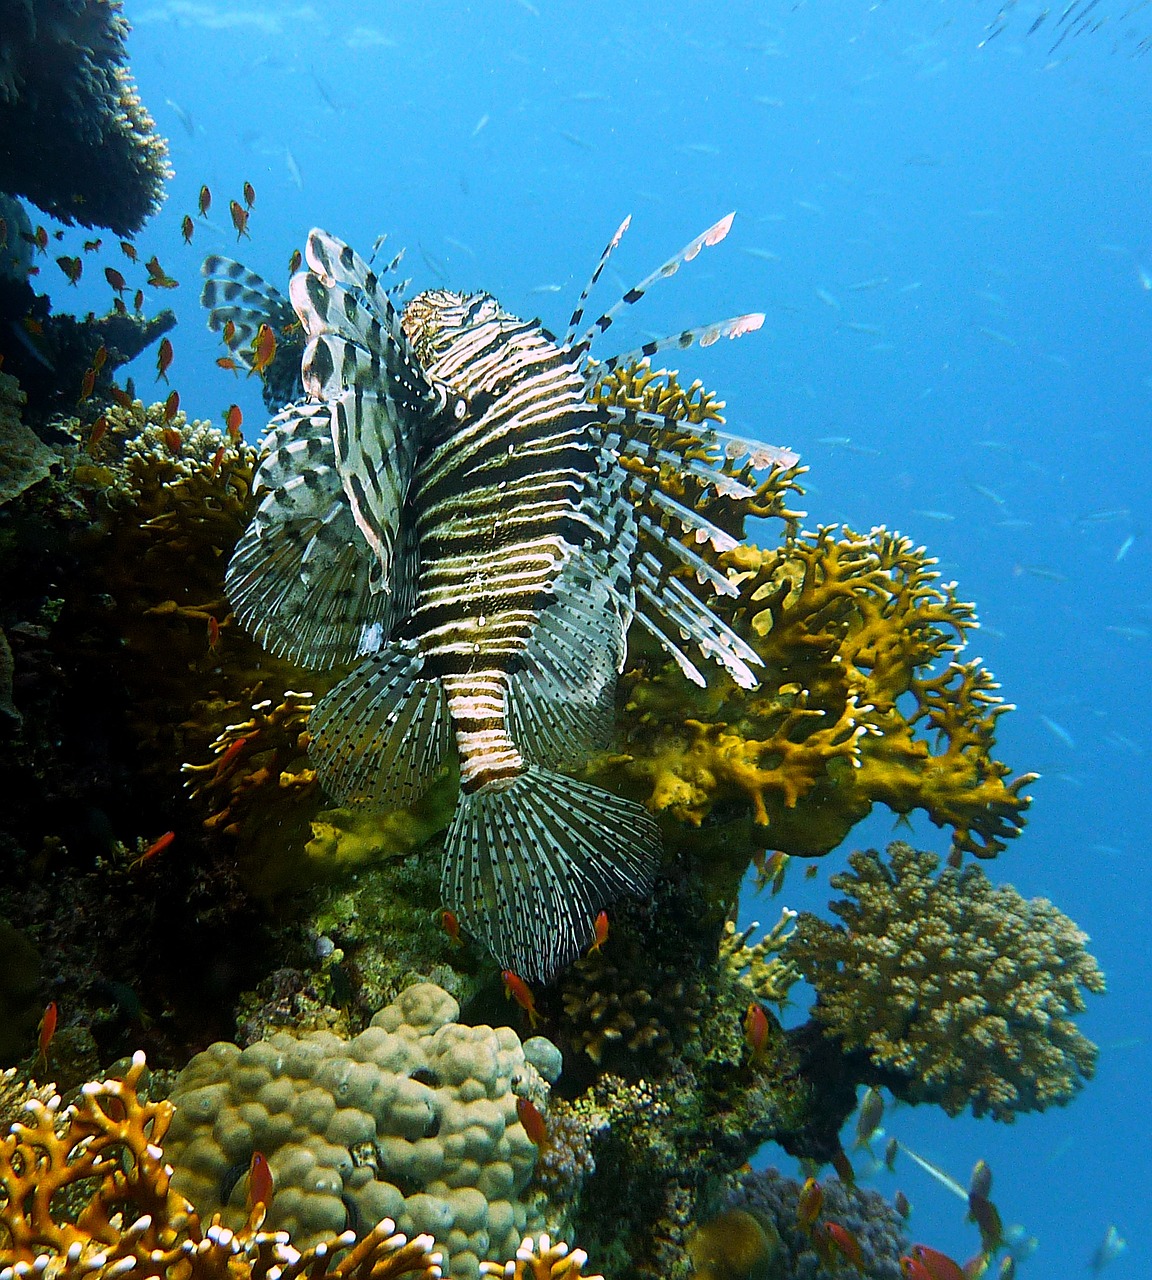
x,y
24,458
960,992
736,1245
541,1259
413,1119
77,139
851,709
878,1229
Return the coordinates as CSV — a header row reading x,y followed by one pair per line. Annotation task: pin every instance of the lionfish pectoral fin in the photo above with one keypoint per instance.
x,y
300,579
233,292
528,865
380,737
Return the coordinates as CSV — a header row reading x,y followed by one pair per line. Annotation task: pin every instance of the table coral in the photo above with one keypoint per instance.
x,y
961,992
414,1119
77,139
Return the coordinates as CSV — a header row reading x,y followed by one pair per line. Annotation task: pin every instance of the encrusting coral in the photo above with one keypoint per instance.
x,y
960,992
106,1152
77,139
414,1119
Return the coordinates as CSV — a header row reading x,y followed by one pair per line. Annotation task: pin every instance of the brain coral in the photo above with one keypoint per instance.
x,y
414,1119
959,990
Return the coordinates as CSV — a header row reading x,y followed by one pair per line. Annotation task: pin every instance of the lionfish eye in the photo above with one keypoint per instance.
x,y
461,409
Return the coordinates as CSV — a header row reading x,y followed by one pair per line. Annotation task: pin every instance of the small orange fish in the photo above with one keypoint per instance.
x,y
937,1265
40,239
73,268
263,349
92,246
186,229
233,420
87,385
213,630
986,1216
119,307
229,757
174,440
226,362
100,357
138,300
115,279
529,1116
205,202
156,847
911,1269
158,278
451,926
261,1184
809,1203
228,332
520,991
756,1028
128,249
46,1031
218,459
846,1242
121,397
294,261
99,431
599,932
249,195
810,873
239,218
171,406
902,1205
843,1167
164,360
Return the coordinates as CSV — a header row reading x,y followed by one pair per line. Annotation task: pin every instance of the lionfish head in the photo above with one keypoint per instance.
x,y
435,320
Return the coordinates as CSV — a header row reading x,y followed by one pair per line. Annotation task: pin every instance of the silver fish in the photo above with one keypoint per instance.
x,y
449,507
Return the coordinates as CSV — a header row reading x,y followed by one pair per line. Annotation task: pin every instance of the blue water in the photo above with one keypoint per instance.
x,y
994,198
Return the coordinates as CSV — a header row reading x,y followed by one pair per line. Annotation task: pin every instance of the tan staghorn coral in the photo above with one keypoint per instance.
x,y
540,1259
960,992
758,965
853,705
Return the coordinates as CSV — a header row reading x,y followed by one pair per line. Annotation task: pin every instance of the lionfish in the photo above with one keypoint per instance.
x,y
450,507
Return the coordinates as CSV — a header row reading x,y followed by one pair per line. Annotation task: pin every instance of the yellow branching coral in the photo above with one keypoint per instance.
x,y
759,965
962,992
538,1258
851,708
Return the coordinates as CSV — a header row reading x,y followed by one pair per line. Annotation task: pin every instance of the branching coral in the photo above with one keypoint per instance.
x,y
960,992
77,139
759,965
851,708
541,1259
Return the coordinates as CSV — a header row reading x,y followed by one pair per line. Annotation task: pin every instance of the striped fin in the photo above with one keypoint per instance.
x,y
578,311
529,865
706,335
232,292
713,235
300,579
638,428
381,735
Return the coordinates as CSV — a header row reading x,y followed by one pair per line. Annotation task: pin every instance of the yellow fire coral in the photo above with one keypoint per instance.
x,y
960,992
541,1259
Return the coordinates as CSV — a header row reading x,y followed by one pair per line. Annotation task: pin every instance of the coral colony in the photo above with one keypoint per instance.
x,y
383,1093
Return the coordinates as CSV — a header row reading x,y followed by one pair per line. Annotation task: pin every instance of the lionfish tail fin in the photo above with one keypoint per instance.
x,y
529,865
380,737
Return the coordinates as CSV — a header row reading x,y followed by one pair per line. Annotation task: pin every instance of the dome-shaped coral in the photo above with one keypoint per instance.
x,y
960,990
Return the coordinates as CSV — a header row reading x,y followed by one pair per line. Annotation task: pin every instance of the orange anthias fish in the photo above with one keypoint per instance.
x,y
599,932
73,268
186,228
128,249
171,405
115,279
155,848
138,300
205,202
164,360
226,362
174,440
450,923
47,1030
755,1028
234,420
261,1184
846,1242
218,459
239,218
294,261
121,397
99,359
533,1122
249,195
87,384
263,349
986,1216
99,430
91,246
228,332
229,757
770,870
809,1203
936,1265
158,278
911,1269
520,991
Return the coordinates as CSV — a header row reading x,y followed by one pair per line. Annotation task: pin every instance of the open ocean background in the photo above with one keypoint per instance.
x,y
950,236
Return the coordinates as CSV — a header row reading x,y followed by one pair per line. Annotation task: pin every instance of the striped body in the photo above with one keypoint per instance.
x,y
498,510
